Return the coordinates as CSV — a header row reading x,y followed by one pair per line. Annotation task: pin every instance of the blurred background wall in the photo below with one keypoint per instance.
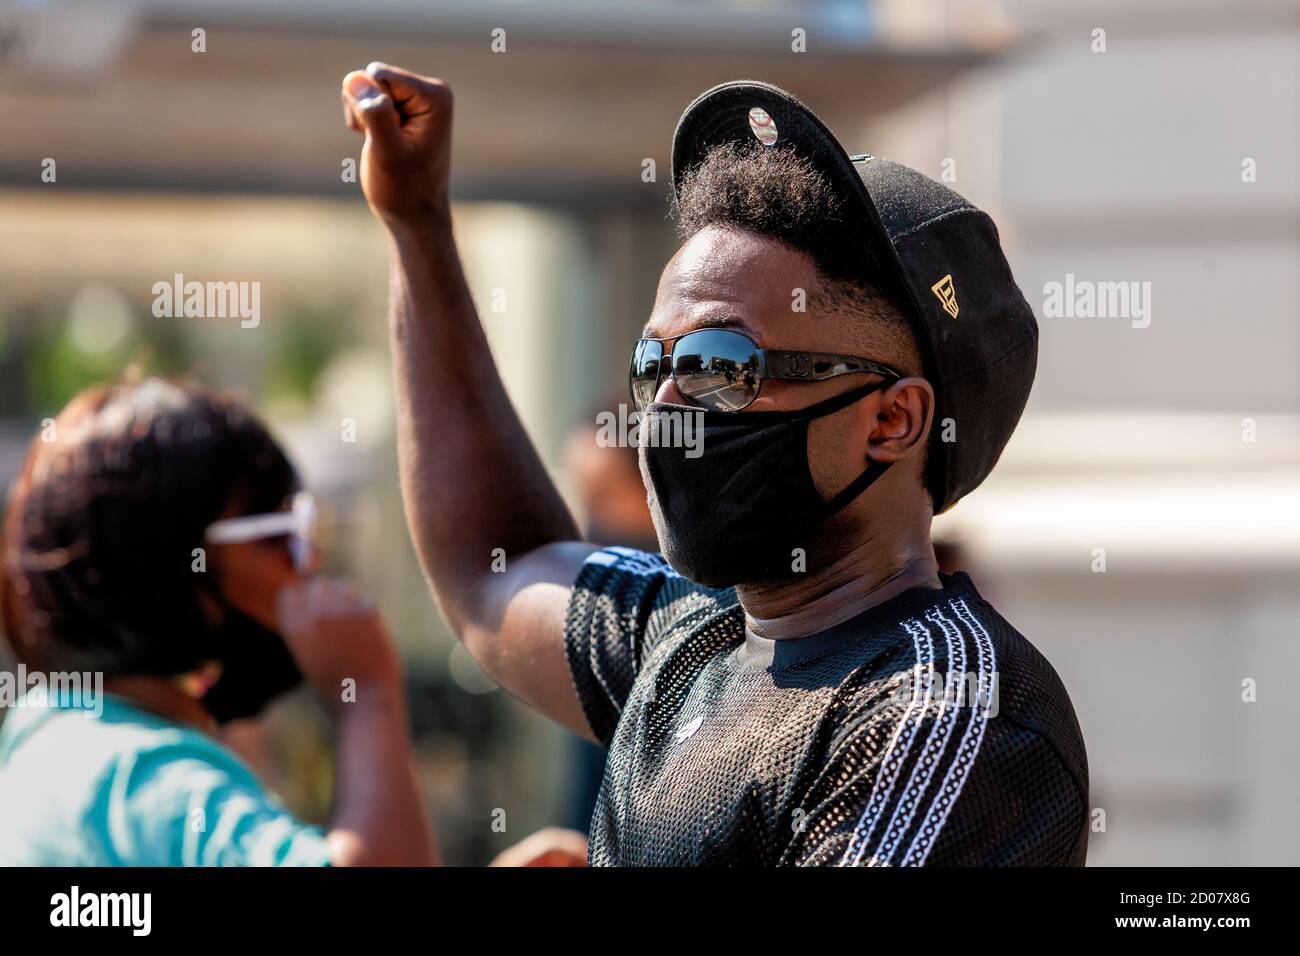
x,y
1143,528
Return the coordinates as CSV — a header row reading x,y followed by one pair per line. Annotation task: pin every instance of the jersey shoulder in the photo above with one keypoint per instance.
x,y
958,746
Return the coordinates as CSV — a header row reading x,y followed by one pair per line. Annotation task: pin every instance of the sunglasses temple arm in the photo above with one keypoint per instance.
x,y
815,366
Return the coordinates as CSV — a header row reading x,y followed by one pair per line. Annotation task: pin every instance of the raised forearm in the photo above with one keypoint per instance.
x,y
471,480
378,819
473,486
346,653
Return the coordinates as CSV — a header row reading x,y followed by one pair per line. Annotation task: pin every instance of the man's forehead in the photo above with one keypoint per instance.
x,y
724,277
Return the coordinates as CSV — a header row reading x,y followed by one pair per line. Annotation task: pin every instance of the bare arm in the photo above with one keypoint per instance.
x,y
336,637
472,482
378,819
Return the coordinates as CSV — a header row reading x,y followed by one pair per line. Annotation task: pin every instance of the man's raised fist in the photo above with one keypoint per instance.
x,y
406,119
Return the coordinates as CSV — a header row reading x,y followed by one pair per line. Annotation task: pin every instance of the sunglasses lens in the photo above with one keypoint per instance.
x,y
717,368
644,375
303,538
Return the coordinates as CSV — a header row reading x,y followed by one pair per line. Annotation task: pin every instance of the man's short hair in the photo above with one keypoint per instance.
x,y
777,194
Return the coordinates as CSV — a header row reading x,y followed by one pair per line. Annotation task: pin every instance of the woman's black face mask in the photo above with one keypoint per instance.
x,y
737,511
256,666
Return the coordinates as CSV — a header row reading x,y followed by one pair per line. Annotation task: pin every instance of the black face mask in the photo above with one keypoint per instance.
x,y
256,667
737,511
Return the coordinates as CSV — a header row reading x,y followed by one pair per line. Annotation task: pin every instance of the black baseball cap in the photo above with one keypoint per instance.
x,y
935,254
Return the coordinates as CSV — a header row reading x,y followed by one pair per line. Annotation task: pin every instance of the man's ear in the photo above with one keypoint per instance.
x,y
902,420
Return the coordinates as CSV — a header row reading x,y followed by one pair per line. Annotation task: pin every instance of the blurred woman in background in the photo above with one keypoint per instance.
x,y
157,536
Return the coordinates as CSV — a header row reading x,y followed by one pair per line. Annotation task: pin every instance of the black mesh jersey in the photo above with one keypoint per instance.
x,y
925,731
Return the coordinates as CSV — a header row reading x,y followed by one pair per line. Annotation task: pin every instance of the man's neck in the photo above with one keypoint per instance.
x,y
857,581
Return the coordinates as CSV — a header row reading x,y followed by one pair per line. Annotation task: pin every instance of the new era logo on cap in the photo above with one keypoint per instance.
x,y
946,294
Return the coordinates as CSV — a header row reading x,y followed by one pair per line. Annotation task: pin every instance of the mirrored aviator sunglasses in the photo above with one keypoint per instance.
x,y
723,370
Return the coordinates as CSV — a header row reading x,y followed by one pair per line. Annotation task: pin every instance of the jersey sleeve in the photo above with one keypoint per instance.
x,y
945,788
624,603
190,802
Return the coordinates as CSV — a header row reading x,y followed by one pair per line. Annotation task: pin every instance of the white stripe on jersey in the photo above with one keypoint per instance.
x,y
971,740
890,767
936,744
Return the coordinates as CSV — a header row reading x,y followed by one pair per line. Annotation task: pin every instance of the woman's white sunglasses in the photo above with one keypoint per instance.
x,y
298,523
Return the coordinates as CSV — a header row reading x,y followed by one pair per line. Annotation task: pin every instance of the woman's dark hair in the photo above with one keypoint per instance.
x,y
98,569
